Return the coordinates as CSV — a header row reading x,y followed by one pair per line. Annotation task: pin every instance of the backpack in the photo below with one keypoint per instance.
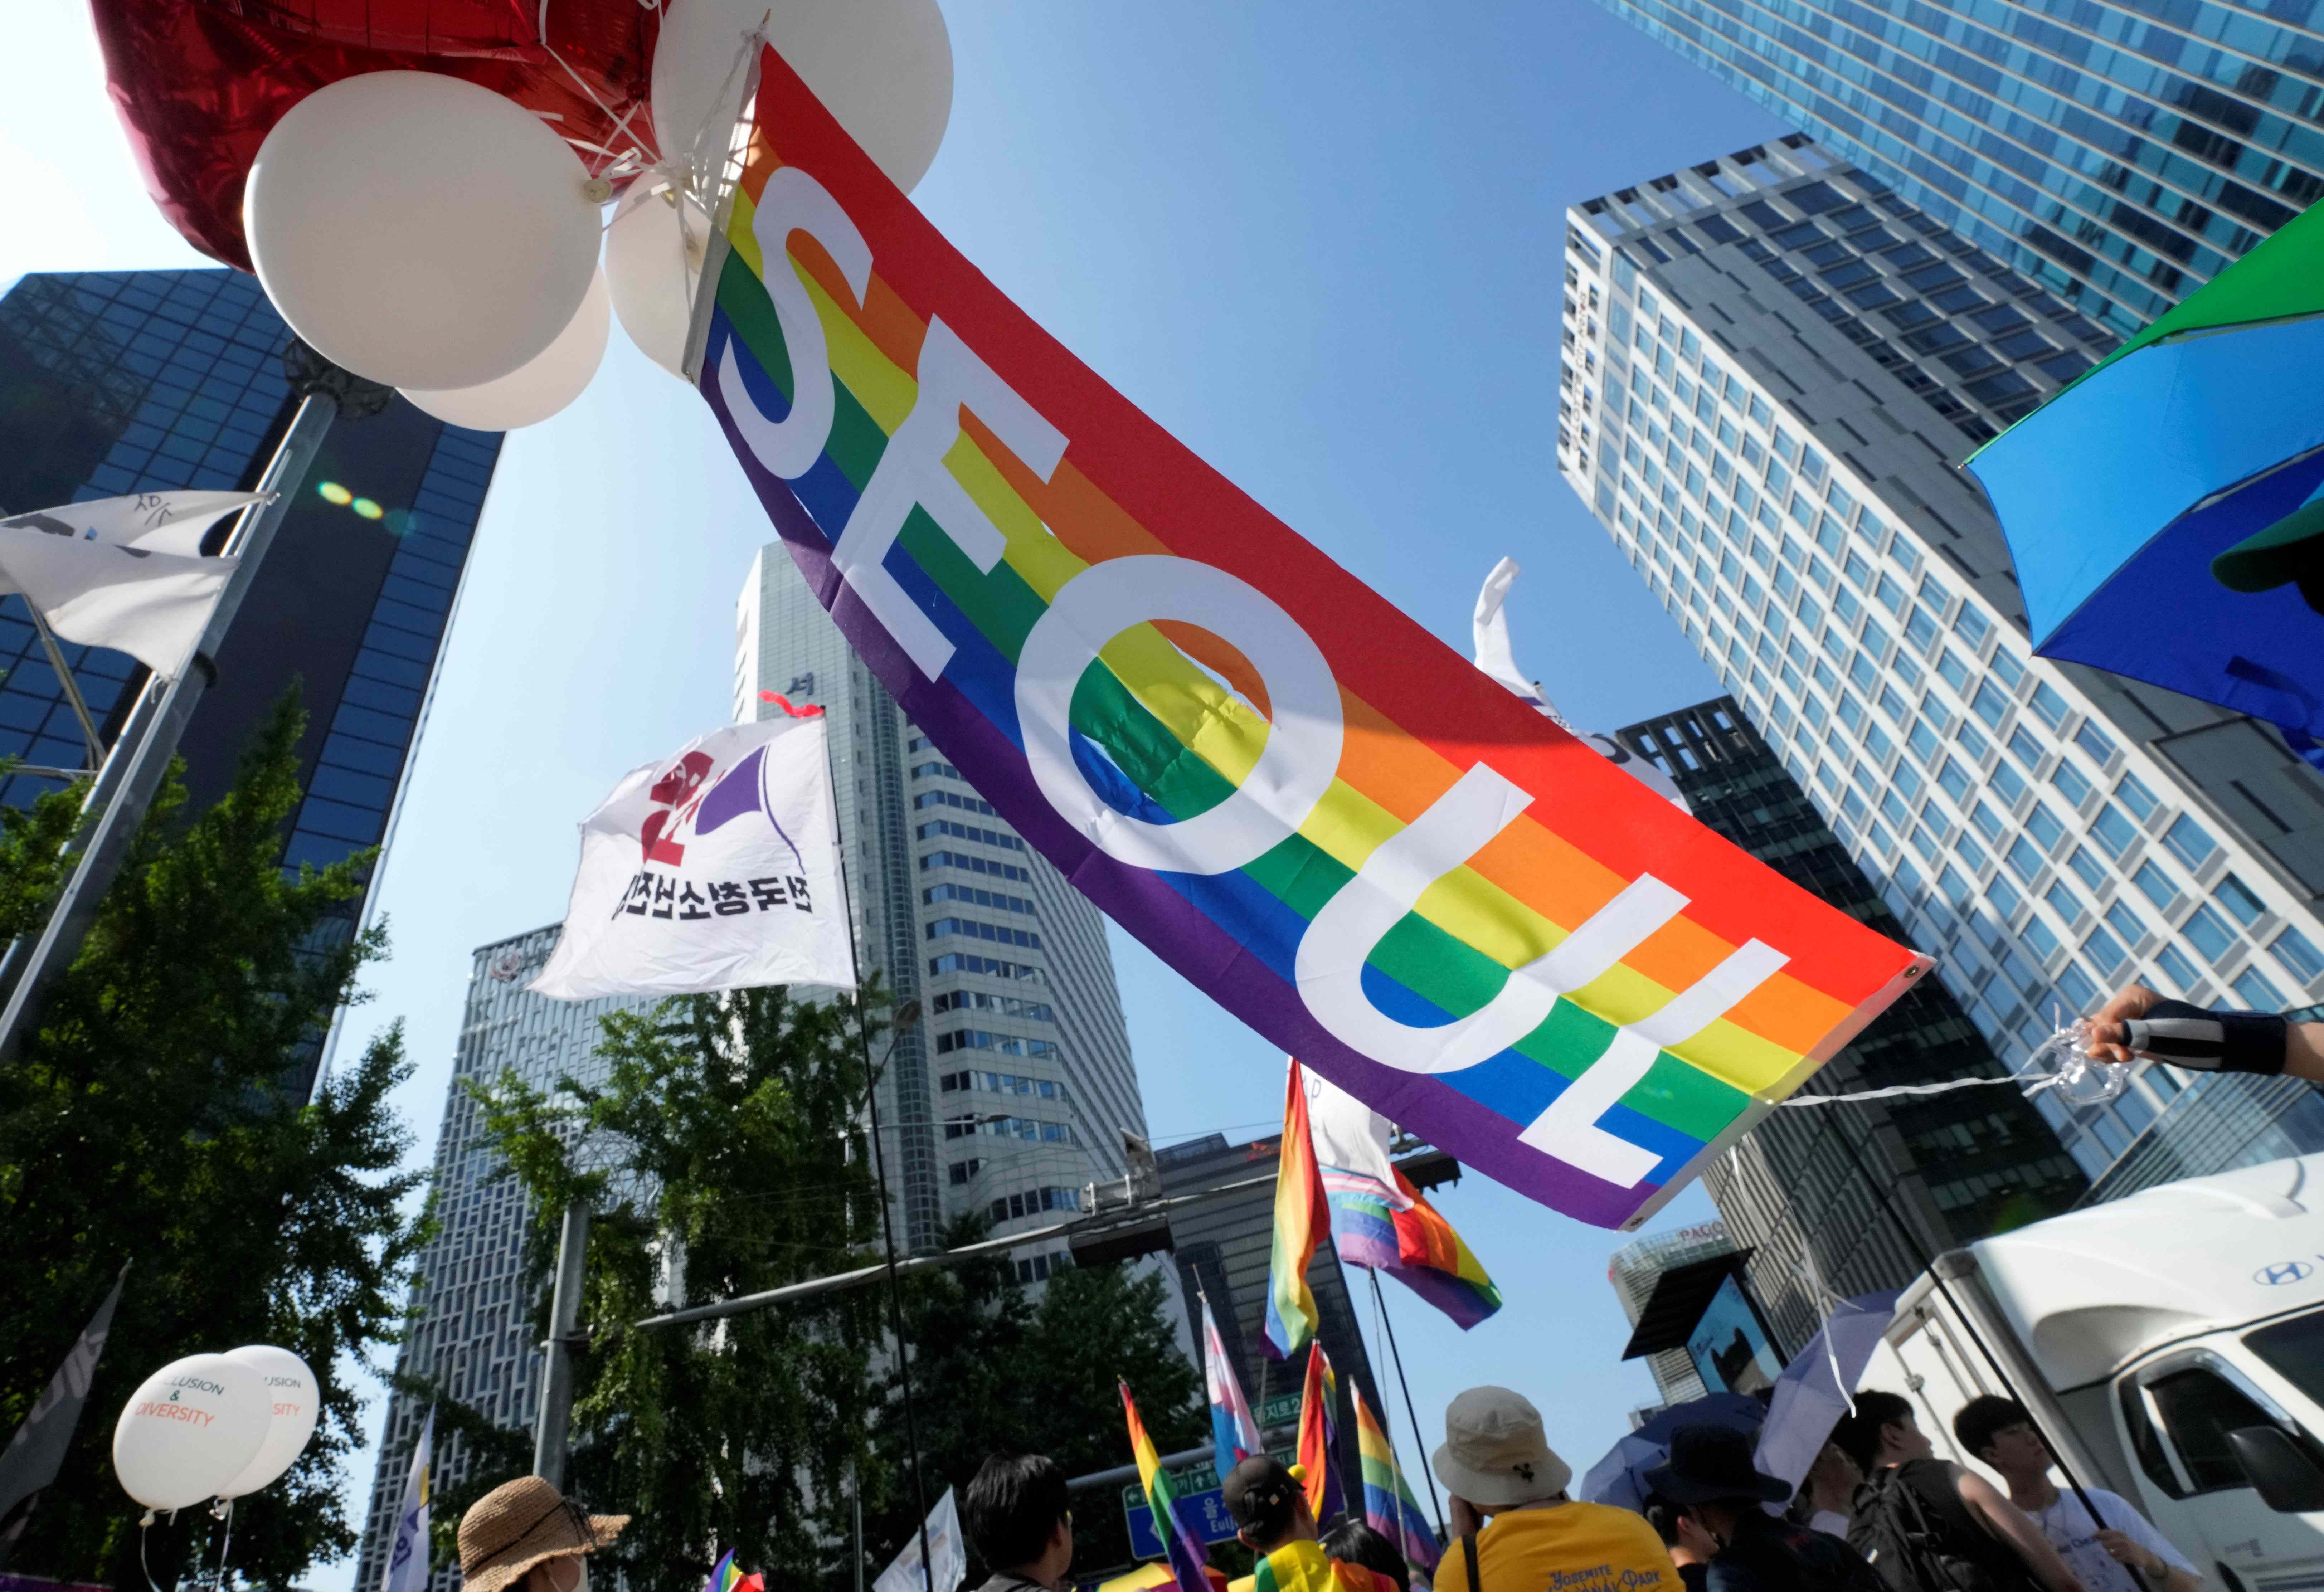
x,y
1916,1549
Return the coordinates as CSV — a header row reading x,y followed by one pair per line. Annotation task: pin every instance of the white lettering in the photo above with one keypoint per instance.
x,y
1329,966
1294,768
911,473
1569,1129
792,202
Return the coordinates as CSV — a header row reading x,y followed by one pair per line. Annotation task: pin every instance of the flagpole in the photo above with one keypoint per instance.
x,y
327,391
1380,1307
910,1011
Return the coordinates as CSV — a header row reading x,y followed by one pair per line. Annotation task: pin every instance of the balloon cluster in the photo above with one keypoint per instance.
x,y
430,233
214,1426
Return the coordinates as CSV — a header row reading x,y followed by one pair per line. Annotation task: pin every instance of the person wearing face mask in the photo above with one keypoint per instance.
x,y
526,1534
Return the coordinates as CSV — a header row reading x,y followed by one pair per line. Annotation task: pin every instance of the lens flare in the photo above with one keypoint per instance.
x,y
331,492
367,508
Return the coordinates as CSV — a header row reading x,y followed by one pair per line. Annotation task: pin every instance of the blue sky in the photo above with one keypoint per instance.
x,y
1320,244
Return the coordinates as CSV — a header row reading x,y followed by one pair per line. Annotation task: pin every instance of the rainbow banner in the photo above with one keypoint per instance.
x,y
1302,1219
1187,1557
1388,1503
1314,810
1319,1437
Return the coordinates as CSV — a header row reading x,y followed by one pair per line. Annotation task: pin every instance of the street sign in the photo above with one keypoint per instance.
x,y
1201,1505
1282,1410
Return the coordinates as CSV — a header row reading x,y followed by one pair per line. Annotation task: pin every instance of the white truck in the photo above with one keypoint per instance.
x,y
2171,1345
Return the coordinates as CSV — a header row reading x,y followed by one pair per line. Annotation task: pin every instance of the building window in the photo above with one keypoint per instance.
x,y
2186,838
2296,951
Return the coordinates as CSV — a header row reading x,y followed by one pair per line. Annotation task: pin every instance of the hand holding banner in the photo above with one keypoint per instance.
x,y
1315,811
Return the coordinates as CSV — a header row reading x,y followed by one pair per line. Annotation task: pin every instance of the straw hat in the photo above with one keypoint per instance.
x,y
1494,1454
521,1524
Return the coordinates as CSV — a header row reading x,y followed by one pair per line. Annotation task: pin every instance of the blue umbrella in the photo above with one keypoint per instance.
x,y
1620,1478
2163,511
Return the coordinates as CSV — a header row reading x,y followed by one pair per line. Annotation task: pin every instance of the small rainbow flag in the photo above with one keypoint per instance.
x,y
1388,1503
1319,1437
1301,1220
1318,813
1188,1560
725,1578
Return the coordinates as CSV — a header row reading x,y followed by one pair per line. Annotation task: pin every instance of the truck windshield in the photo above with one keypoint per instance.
x,y
2294,1349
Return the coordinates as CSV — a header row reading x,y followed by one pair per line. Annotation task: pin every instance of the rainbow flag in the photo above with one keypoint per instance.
x,y
1234,1432
1301,1220
1388,1503
1323,816
1187,1557
1379,1218
724,1576
1319,1437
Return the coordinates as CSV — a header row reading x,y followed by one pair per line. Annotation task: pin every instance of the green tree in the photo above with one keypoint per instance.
x,y
722,1158
154,1117
996,1368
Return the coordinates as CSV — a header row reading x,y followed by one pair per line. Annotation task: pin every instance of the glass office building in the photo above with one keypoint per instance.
x,y
1857,1197
475,1301
113,383
2118,154
1013,1090
1751,405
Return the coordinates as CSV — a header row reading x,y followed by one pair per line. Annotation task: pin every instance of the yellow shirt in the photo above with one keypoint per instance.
x,y
1564,1548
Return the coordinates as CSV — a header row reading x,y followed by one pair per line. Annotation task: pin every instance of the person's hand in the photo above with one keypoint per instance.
x,y
2108,1042
2122,1549
1464,1517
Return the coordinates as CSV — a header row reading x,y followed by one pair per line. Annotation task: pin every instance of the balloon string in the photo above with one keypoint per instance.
x,y
225,1541
2059,1062
1894,1090
621,123
144,1529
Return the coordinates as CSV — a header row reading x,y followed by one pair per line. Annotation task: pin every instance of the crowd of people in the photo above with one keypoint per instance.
x,y
1878,1512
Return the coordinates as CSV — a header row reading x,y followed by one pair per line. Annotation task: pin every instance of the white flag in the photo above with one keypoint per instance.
x,y
715,868
406,1557
157,521
1489,630
945,1551
150,605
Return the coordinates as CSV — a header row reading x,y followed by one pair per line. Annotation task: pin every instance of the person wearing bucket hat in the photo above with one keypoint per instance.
x,y
526,1527
1518,1531
1710,1478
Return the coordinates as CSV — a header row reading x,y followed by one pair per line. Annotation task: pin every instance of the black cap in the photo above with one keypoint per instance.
x,y
1713,1462
1258,1493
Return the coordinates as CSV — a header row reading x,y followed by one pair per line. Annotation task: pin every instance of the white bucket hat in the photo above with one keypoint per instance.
x,y
1494,1453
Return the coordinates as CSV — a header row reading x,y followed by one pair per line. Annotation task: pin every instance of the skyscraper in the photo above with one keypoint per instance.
x,y
2118,154
113,383
1860,1197
1634,1270
1779,467
474,1331
1013,1090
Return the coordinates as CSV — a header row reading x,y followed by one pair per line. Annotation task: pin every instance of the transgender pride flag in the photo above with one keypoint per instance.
x,y
1234,1435
1379,1220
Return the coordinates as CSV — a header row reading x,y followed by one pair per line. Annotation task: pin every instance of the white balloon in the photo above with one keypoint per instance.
x,y
883,68
189,1430
540,387
420,230
653,264
297,1402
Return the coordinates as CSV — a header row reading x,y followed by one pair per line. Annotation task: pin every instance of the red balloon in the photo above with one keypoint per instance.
x,y
198,84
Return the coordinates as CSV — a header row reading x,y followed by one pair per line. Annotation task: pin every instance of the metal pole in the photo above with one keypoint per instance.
x,y
857,1502
879,1170
145,762
70,687
1419,1438
549,1434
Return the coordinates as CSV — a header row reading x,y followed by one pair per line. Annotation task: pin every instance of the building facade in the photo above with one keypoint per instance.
x,y
114,382
1012,1092
2119,155
474,1295
1848,1199
1774,363
1633,1271
1222,1248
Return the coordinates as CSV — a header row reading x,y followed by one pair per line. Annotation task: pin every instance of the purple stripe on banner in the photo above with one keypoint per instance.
x,y
1165,920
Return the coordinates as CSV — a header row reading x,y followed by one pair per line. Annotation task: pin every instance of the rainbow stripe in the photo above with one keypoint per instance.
x,y
1319,1436
1180,1546
1389,1503
1301,1220
1315,811
724,1576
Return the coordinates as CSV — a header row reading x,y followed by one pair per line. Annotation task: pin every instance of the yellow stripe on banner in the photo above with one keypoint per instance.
x,y
1229,736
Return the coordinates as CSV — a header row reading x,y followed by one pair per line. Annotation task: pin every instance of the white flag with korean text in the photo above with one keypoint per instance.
x,y
945,1551
716,868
